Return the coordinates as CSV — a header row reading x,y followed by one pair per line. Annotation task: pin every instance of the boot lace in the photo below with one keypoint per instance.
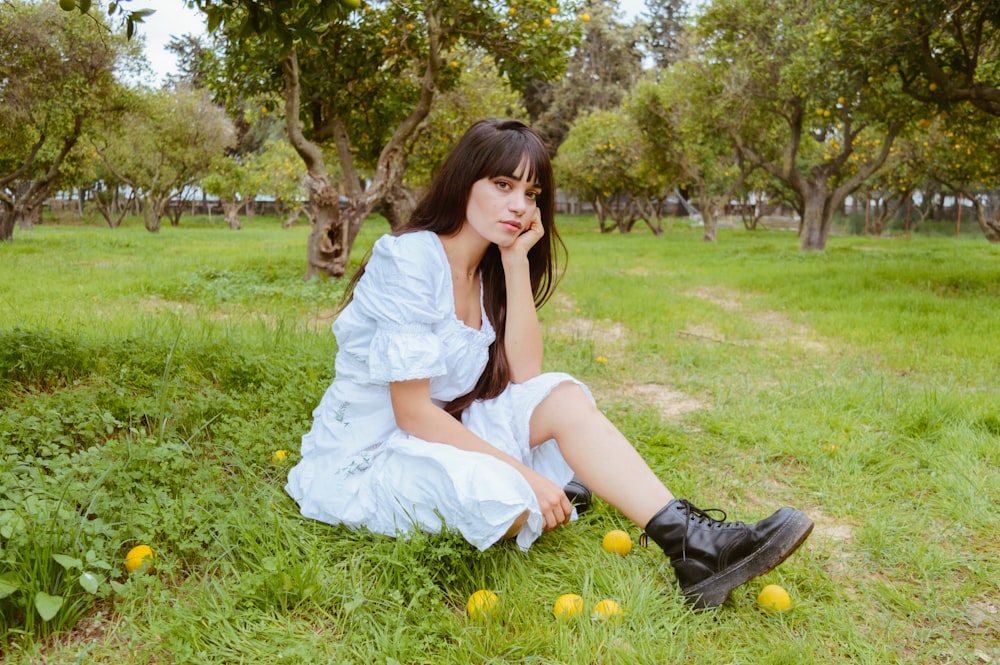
x,y
702,516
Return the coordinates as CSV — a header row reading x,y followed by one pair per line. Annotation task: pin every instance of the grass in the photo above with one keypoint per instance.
x,y
146,381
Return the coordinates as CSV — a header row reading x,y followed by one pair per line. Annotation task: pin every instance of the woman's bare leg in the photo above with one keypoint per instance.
x,y
516,526
598,453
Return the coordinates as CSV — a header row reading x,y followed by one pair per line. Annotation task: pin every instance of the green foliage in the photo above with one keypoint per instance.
x,y
58,78
481,93
600,157
943,53
365,68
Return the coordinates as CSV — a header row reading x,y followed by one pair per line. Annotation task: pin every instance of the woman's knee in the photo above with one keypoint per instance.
x,y
565,405
569,393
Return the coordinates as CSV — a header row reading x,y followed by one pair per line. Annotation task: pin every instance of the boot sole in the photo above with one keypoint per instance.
x,y
714,591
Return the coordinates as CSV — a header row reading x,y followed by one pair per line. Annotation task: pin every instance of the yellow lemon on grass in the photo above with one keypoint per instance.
x,y
568,606
481,604
606,610
774,598
138,557
617,542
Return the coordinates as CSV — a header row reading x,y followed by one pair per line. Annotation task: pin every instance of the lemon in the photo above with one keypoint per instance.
x,y
568,606
606,610
67,5
140,557
617,542
481,604
774,598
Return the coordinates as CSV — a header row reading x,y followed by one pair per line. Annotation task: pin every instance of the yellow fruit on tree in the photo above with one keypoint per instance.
x,y
481,604
140,557
607,610
617,542
351,4
568,606
774,598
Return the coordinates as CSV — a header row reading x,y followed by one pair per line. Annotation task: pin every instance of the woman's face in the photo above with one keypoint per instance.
x,y
501,207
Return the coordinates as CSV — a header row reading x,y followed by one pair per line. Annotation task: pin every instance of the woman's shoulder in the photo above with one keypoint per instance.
x,y
423,246
409,260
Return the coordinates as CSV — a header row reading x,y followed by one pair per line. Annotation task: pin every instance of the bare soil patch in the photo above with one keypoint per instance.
x,y
672,404
777,325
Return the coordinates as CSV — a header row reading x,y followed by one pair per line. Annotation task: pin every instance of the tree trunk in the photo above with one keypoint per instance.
x,y
28,215
289,215
990,227
602,215
6,222
815,221
710,220
398,205
328,238
648,213
231,209
152,213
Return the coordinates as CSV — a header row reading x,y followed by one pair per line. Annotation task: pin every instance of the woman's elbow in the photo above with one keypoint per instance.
x,y
405,420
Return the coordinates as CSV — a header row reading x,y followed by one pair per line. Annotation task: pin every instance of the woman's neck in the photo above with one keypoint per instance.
x,y
465,252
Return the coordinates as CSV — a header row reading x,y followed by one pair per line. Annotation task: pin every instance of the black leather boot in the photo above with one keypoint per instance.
x,y
578,494
711,557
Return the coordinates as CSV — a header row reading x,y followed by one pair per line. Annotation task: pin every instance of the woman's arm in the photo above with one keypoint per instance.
x,y
416,414
522,333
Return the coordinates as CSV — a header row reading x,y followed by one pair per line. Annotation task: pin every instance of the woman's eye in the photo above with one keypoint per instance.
x,y
533,195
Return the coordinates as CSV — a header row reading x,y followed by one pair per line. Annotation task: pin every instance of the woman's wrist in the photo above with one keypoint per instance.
x,y
514,260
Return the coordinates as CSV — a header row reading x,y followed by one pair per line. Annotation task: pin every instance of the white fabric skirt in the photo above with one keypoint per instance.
x,y
408,484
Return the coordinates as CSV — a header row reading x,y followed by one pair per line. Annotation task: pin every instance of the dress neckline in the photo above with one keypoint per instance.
x,y
485,328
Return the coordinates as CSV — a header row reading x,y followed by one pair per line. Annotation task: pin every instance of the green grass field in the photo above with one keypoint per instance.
x,y
147,380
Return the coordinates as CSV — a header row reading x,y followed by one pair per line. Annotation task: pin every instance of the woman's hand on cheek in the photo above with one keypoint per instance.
x,y
530,234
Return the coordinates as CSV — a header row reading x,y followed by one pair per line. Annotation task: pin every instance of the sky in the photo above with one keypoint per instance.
x,y
173,18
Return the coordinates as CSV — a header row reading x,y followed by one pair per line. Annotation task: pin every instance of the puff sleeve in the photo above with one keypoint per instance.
x,y
402,291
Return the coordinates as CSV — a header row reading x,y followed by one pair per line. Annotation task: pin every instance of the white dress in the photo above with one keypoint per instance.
x,y
360,470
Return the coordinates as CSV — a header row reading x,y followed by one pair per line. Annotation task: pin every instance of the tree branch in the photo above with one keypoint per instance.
x,y
293,93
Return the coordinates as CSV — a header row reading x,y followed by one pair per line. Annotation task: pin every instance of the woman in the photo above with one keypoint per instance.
x,y
440,416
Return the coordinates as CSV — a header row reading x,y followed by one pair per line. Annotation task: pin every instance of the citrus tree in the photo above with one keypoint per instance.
x,y
362,79
790,78
173,138
675,113
56,79
601,70
480,93
942,51
601,161
960,153
280,177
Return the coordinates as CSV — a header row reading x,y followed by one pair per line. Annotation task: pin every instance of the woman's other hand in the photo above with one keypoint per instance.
x,y
552,501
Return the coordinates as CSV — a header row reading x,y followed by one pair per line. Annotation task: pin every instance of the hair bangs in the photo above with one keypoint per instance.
x,y
511,153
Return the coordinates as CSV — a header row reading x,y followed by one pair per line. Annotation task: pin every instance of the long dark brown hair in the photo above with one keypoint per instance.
x,y
491,148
